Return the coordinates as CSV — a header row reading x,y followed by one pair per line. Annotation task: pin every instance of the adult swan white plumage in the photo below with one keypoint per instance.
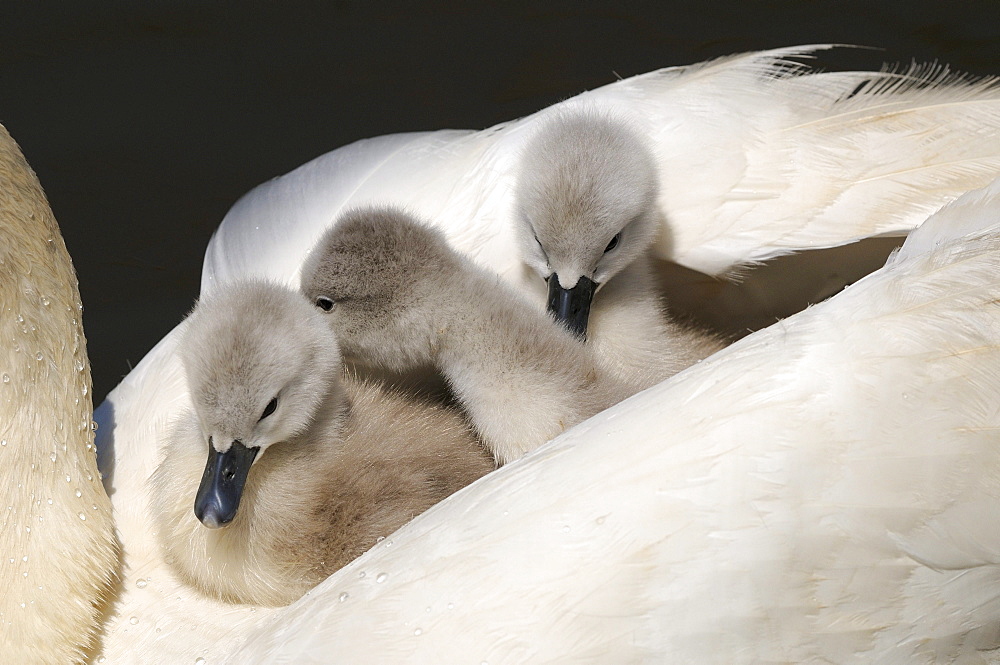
x,y
57,538
802,494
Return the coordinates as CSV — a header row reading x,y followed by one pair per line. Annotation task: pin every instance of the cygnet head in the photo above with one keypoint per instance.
x,y
585,207
260,361
375,274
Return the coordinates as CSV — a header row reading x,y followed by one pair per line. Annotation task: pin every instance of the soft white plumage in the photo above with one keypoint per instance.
x,y
57,542
824,488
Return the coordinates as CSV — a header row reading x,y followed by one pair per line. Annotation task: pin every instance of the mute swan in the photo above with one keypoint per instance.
x,y
841,508
397,295
57,540
586,212
873,166
336,464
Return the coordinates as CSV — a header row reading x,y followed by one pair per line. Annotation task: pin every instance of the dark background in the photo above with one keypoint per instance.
x,y
146,121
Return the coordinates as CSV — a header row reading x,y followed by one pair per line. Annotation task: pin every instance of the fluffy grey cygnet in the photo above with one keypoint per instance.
x,y
586,218
306,468
398,295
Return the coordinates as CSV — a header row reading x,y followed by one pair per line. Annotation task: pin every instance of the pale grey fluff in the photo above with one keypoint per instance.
x,y
399,296
586,206
342,463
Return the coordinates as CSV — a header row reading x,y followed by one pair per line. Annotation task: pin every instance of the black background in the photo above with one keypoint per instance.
x,y
146,121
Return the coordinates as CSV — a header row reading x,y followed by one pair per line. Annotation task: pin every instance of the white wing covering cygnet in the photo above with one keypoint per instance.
x,y
757,156
825,490
783,499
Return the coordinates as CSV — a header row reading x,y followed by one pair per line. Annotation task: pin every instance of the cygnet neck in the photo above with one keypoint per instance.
x,y
521,377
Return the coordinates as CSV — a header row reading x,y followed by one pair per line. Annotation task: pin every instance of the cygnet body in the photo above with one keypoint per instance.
x,y
398,295
586,218
307,469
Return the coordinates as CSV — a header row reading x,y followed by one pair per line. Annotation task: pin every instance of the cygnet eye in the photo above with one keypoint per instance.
x,y
324,303
613,243
269,409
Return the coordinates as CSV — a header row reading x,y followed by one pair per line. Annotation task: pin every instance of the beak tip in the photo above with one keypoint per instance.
x,y
211,519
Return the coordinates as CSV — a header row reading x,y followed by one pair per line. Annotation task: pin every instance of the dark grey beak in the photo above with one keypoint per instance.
x,y
221,487
572,306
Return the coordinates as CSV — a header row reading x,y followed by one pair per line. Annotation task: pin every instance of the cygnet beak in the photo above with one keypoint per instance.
x,y
572,306
221,487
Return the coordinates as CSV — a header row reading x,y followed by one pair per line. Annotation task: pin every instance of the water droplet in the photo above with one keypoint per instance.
x,y
20,319
39,356
451,606
79,365
24,558
45,301
101,659
427,609
6,378
83,389
417,631
380,539
24,574
83,517
28,529
52,457
68,479
382,577
141,583
78,493
361,575
49,501
566,528
3,442
133,620
388,543
344,596
93,425
199,661
22,605
600,520
93,506
505,513
12,559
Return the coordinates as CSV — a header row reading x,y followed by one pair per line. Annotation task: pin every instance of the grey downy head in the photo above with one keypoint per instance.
x,y
585,207
259,362
378,274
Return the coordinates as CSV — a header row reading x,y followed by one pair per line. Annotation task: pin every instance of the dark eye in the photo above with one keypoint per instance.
x,y
541,247
324,303
613,243
269,409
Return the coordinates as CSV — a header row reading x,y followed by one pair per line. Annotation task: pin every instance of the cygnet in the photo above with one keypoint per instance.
x,y
399,296
586,217
306,468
